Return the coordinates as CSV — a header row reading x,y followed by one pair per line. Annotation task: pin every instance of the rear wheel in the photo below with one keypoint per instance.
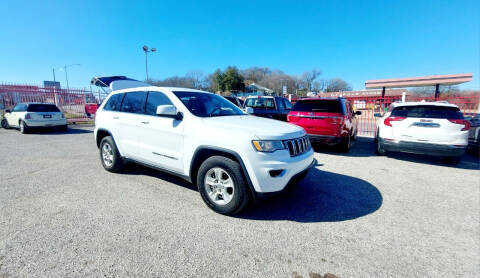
x,y
109,155
64,127
345,144
23,127
222,186
5,124
380,150
454,160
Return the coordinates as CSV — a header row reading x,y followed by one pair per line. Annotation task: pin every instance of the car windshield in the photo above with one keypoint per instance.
x,y
329,106
428,111
260,102
42,108
208,105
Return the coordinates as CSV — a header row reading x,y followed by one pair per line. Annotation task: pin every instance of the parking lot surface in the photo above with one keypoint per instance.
x,y
355,215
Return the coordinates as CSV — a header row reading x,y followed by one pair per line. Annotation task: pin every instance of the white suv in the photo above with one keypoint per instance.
x,y
432,128
231,157
26,116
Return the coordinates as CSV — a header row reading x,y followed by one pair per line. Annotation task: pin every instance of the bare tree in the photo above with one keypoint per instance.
x,y
337,85
308,77
197,78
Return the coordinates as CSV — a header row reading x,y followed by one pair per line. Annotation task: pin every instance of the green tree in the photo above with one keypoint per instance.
x,y
232,80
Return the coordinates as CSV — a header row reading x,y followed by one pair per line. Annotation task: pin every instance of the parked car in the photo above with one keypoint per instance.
x,y
201,137
329,121
235,100
474,132
268,107
432,128
90,109
26,116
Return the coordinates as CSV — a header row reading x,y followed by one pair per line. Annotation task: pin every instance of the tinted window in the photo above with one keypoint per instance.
x,y
155,99
428,111
280,104
260,102
330,106
134,102
232,100
287,104
208,105
114,103
42,108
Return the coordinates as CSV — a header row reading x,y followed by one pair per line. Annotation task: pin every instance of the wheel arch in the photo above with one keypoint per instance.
x,y
204,152
102,133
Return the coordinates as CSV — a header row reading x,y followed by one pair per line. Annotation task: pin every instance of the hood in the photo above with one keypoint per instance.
x,y
261,128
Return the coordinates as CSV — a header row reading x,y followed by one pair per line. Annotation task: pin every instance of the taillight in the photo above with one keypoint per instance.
x,y
28,116
466,124
293,118
388,121
335,120
63,116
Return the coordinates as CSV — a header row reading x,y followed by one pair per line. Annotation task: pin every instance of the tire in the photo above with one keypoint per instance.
x,y
5,124
23,127
453,160
109,155
228,197
63,128
379,149
345,144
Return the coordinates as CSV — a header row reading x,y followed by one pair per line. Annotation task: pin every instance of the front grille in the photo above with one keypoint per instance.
x,y
297,146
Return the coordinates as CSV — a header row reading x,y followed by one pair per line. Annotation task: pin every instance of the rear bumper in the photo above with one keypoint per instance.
x,y
423,148
49,123
325,139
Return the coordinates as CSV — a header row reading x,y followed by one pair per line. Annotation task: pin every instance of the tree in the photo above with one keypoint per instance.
x,y
197,79
216,81
308,77
232,80
337,85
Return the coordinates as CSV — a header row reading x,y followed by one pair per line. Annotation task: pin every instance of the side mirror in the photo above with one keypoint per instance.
x,y
249,110
8,111
169,111
358,113
377,115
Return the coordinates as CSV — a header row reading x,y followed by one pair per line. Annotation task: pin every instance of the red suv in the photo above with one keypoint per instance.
x,y
326,120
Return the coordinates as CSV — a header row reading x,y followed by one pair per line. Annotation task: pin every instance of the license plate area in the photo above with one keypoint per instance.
x,y
47,116
428,125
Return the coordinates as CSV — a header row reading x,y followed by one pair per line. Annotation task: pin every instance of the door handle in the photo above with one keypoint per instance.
x,y
145,122
115,117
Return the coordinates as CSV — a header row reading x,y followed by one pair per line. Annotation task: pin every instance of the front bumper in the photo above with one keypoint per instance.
x,y
423,148
261,164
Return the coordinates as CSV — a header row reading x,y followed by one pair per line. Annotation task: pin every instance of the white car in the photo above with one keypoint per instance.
x,y
26,116
232,157
432,128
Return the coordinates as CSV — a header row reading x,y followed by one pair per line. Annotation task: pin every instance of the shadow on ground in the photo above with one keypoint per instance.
x,y
365,147
54,131
320,197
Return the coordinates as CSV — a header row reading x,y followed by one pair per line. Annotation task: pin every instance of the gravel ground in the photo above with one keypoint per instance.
x,y
355,215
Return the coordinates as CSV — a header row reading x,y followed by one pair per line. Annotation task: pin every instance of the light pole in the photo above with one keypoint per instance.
x,y
145,48
66,75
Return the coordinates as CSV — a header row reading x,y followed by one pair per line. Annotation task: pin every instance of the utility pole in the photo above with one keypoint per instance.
x,y
66,75
53,74
146,50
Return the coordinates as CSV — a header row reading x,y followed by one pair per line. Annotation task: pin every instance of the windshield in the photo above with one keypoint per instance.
x,y
208,105
329,106
260,102
428,111
42,108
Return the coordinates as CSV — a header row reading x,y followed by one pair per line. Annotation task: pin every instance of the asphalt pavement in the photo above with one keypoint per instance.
x,y
355,215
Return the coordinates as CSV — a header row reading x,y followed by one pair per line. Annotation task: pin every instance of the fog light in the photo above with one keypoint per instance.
x,y
276,173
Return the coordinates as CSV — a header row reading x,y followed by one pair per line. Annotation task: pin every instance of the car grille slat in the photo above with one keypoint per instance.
x,y
297,146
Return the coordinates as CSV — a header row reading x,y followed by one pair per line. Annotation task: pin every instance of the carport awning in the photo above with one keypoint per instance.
x,y
432,80
104,81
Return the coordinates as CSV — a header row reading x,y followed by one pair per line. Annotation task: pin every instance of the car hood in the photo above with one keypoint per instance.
x,y
261,128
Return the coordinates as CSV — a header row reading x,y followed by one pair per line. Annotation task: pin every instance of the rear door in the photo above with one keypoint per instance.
x,y
427,123
129,125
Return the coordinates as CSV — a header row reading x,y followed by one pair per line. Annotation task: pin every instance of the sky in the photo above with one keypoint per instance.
x,y
353,40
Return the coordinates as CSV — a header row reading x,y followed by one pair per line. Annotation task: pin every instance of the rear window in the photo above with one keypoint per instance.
x,y
329,106
42,108
428,111
261,102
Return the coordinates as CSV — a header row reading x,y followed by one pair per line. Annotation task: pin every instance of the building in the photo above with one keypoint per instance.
x,y
254,90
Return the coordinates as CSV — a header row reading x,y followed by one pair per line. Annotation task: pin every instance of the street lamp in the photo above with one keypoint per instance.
x,y
66,75
145,48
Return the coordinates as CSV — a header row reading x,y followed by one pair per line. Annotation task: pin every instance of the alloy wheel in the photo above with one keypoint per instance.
x,y
219,186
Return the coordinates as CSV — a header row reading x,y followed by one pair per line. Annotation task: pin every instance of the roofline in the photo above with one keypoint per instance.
x,y
431,80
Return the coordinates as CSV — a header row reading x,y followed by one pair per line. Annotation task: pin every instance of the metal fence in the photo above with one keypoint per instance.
x,y
73,102
372,105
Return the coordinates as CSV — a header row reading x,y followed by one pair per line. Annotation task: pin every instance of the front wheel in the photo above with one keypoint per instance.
x,y
5,124
222,186
109,155
380,150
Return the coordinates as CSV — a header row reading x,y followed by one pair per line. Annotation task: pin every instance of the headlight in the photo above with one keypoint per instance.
x,y
267,146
